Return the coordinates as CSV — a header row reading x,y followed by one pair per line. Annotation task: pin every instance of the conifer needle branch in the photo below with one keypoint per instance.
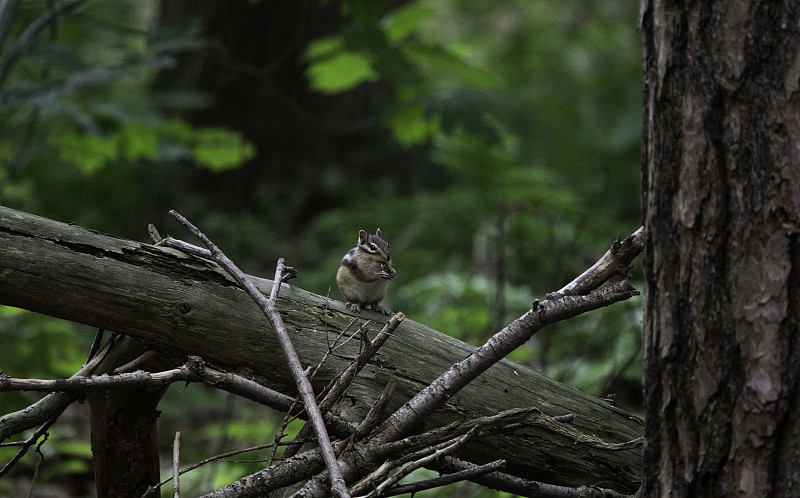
x,y
337,481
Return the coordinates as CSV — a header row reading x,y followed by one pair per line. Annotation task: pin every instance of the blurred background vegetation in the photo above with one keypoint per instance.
x,y
496,145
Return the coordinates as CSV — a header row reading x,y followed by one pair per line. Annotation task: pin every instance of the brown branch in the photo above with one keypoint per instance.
x,y
411,467
48,407
337,481
375,413
514,335
24,446
154,488
614,262
436,482
176,453
185,247
343,381
276,476
195,370
523,487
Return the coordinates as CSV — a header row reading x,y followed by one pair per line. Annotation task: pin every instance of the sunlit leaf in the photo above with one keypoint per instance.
x,y
407,19
220,149
139,140
341,72
88,152
324,47
410,125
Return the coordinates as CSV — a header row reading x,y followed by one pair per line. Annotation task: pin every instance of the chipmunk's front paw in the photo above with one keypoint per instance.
x,y
355,307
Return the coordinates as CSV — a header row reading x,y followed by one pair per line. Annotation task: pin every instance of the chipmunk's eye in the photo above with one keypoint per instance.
x,y
373,247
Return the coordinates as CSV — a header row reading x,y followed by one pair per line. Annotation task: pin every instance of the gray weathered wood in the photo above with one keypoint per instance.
x,y
184,303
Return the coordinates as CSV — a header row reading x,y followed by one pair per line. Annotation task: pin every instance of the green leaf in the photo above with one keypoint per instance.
x,y
409,125
87,151
406,20
341,72
324,47
219,149
139,141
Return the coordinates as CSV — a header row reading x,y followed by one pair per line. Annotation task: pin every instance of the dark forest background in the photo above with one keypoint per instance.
x,y
496,145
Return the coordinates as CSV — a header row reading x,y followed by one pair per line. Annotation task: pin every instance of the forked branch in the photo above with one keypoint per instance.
x,y
303,385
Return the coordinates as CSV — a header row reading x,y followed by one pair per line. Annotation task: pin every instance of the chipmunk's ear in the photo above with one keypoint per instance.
x,y
378,233
362,237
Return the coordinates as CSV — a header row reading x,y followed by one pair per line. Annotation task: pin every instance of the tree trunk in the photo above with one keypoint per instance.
x,y
186,304
721,197
123,422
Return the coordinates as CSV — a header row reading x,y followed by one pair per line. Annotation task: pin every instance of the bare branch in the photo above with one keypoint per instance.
x,y
514,335
523,487
371,347
395,478
176,453
436,394
81,384
614,262
48,407
185,247
373,417
303,385
154,488
25,445
436,482
276,476
343,381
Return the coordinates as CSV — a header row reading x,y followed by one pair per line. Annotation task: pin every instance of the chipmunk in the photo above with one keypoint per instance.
x,y
365,272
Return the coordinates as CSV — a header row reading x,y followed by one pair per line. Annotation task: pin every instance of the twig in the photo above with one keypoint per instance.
x,y
176,452
303,385
375,413
185,247
505,421
395,478
194,370
436,482
155,487
48,407
523,487
614,262
131,365
343,381
98,340
25,445
346,378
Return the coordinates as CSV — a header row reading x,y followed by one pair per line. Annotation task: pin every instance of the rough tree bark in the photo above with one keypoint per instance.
x,y
182,303
721,197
